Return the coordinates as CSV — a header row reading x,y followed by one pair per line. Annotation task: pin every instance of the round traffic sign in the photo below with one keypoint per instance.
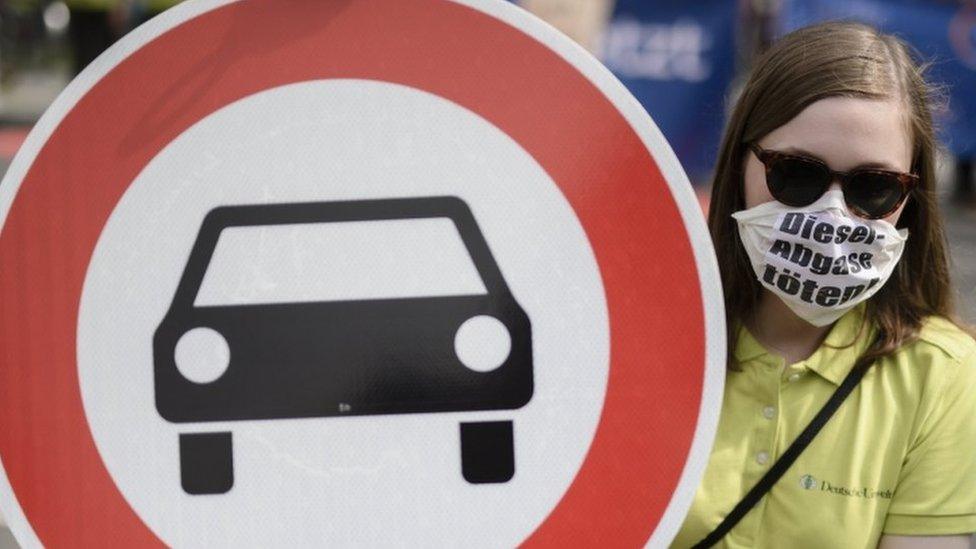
x,y
330,272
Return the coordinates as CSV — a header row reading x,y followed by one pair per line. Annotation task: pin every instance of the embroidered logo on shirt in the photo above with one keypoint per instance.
x,y
809,482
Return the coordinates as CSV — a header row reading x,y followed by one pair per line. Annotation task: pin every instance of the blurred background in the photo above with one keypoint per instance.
x,y
684,60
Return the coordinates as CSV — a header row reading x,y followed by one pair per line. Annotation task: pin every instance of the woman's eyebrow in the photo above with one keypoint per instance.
x,y
801,152
865,165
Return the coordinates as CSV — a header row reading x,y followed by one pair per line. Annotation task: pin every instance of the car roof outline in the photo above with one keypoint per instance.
x,y
250,215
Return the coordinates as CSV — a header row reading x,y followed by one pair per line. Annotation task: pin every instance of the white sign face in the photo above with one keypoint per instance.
x,y
386,273
331,141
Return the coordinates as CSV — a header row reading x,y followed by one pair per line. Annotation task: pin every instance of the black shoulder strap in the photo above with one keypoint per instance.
x,y
785,461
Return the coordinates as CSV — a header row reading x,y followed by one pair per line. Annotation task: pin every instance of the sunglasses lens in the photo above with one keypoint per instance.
x,y
873,194
796,182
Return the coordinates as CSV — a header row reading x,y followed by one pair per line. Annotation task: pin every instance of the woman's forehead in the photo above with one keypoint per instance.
x,y
848,132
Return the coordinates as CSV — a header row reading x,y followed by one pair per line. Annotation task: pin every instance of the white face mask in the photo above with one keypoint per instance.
x,y
819,260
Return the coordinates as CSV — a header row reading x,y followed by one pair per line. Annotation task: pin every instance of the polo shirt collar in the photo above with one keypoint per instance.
x,y
833,360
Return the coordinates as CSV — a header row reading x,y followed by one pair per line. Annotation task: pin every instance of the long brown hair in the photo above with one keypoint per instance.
x,y
812,63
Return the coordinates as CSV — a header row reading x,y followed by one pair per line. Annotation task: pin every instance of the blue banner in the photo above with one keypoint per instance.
x,y
677,58
943,32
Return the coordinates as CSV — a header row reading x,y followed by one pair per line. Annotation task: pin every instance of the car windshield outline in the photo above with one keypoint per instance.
x,y
229,217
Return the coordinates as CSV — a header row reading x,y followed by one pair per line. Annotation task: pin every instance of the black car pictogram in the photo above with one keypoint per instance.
x,y
341,357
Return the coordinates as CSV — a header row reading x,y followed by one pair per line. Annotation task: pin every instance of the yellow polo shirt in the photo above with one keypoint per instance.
x,y
898,456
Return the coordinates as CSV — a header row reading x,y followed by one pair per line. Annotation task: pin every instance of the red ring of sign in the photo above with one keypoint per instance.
x,y
576,134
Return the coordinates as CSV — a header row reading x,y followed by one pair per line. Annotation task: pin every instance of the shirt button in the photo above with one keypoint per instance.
x,y
793,377
769,412
762,458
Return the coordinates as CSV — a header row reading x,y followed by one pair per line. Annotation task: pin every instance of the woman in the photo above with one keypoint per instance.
x,y
833,260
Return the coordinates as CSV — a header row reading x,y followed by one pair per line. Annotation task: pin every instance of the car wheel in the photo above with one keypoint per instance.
x,y
206,463
487,452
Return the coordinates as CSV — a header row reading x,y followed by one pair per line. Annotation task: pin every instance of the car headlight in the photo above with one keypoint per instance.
x,y
202,355
482,343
